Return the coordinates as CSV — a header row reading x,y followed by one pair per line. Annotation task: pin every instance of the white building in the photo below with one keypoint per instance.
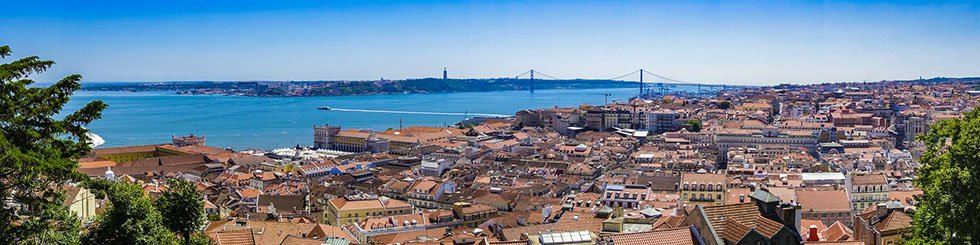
x,y
434,167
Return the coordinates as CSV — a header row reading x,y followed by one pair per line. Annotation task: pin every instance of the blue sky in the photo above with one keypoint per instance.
x,y
735,42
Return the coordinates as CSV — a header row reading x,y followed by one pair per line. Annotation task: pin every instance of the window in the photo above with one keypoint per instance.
x,y
718,197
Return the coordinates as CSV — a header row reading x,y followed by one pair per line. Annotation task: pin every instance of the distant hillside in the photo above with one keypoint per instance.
x,y
337,88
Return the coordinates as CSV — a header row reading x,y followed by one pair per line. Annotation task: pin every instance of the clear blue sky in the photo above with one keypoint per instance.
x,y
741,42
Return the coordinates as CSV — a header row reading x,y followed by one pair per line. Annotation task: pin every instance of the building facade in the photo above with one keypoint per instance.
x,y
703,188
867,190
355,208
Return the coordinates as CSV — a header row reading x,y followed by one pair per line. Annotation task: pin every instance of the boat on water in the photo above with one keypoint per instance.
x,y
324,108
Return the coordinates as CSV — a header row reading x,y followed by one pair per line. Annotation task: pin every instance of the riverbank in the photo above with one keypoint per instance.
x,y
243,122
346,88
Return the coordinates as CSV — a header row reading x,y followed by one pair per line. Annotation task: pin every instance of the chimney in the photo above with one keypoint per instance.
x,y
813,234
741,198
881,210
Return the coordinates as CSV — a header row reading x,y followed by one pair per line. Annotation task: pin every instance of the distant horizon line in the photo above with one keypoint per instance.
x,y
600,79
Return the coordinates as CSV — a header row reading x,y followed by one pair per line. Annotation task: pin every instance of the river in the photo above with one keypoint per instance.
x,y
138,118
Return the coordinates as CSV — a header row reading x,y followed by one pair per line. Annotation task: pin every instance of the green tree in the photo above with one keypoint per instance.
x,y
38,152
724,105
950,180
182,207
199,238
693,125
97,186
129,219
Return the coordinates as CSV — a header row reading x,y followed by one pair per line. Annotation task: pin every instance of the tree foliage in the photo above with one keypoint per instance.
x,y
724,105
38,152
182,207
693,125
97,186
129,219
950,180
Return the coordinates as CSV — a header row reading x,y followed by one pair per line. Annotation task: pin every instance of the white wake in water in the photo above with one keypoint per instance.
x,y
96,139
422,112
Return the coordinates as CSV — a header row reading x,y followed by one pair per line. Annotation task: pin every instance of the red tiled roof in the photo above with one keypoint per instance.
x,y
767,226
896,220
823,200
869,179
675,236
734,231
836,232
236,237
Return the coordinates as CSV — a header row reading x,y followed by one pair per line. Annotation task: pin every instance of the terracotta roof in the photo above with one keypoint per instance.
x,y
744,213
477,208
405,237
767,226
169,160
905,197
342,203
235,237
283,203
325,231
96,164
267,232
734,231
125,149
836,232
868,179
733,221
426,186
394,221
249,160
297,240
806,223
196,149
703,178
678,236
896,220
249,193
70,193
668,221
823,200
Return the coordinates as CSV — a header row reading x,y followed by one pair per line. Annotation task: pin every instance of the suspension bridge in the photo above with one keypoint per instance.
x,y
658,85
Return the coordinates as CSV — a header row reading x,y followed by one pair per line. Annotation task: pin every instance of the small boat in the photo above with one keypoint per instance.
x,y
324,108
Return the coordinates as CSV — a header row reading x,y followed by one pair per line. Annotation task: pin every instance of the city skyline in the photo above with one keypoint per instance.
x,y
757,43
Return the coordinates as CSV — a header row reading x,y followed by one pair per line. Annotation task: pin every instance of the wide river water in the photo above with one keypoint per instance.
x,y
137,118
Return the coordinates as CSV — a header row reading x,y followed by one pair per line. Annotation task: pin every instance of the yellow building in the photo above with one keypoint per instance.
x,y
81,202
867,190
134,153
703,188
355,208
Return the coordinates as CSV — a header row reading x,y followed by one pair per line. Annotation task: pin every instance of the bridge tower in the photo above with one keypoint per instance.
x,y
532,81
641,83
